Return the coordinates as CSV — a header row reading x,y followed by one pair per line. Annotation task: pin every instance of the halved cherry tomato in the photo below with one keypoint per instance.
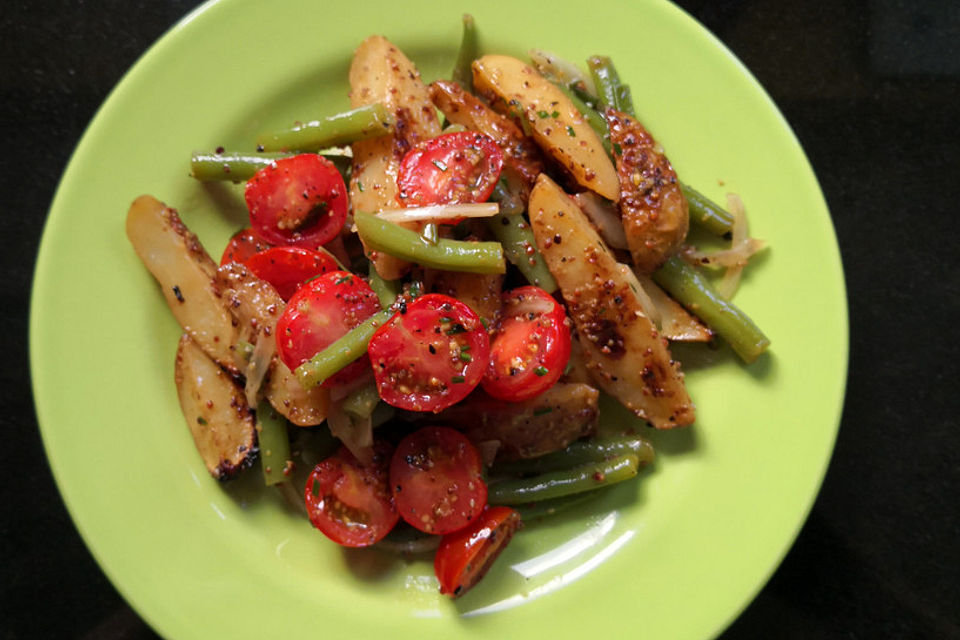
x,y
452,168
319,313
530,348
242,245
350,503
300,200
286,268
464,556
437,480
429,355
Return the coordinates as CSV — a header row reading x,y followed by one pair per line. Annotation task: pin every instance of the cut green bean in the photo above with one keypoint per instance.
x,y
361,402
386,290
579,452
610,90
446,254
691,289
516,237
341,352
463,70
706,213
555,484
229,165
368,121
274,444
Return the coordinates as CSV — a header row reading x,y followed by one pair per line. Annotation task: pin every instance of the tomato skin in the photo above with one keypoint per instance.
x,y
242,245
464,556
436,476
321,312
429,355
530,348
350,503
452,168
287,268
300,201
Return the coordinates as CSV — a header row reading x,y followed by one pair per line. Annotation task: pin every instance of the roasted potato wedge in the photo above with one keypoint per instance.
x,y
302,407
381,73
219,417
185,273
548,422
624,352
652,206
512,86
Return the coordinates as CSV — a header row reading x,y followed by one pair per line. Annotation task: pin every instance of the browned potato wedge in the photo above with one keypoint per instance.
x,y
185,273
624,353
302,407
652,207
549,422
557,126
219,418
381,73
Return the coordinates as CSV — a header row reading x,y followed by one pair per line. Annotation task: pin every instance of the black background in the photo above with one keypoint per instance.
x,y
872,90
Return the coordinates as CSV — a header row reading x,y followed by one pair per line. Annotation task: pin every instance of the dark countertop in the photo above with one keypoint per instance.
x,y
872,90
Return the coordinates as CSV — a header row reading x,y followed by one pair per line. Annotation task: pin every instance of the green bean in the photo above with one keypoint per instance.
x,y
579,452
691,289
368,121
450,255
507,194
612,92
555,484
514,233
386,290
463,70
274,444
361,402
341,352
706,213
230,165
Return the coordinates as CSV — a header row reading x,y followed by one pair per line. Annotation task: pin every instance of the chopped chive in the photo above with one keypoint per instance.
x,y
360,185
541,371
465,357
458,379
571,132
542,411
342,280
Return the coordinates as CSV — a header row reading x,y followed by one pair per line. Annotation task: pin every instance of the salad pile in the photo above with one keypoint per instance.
x,y
436,288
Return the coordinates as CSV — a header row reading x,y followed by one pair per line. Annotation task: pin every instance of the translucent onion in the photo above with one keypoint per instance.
x,y
441,212
605,217
557,69
256,370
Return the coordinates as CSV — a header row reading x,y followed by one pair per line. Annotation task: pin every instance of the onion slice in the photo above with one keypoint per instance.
x,y
605,217
557,69
441,212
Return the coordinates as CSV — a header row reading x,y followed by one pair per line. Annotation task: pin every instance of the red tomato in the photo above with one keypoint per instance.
x,y
437,480
348,502
429,355
530,348
449,169
321,312
464,556
286,268
300,200
242,245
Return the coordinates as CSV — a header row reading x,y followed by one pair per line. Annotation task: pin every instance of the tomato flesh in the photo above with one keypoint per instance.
x,y
430,355
350,503
300,200
452,168
322,311
242,245
436,476
287,268
530,348
464,556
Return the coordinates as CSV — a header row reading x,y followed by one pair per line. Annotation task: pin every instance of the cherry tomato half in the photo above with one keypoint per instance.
x,y
287,268
530,348
464,556
242,245
452,168
319,313
348,502
300,200
429,355
437,480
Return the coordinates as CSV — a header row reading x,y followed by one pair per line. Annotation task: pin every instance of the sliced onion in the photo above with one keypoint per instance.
x,y
356,434
441,212
557,69
256,370
605,217
649,308
738,230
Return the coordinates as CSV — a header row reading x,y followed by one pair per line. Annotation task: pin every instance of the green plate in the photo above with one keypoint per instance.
x,y
678,554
